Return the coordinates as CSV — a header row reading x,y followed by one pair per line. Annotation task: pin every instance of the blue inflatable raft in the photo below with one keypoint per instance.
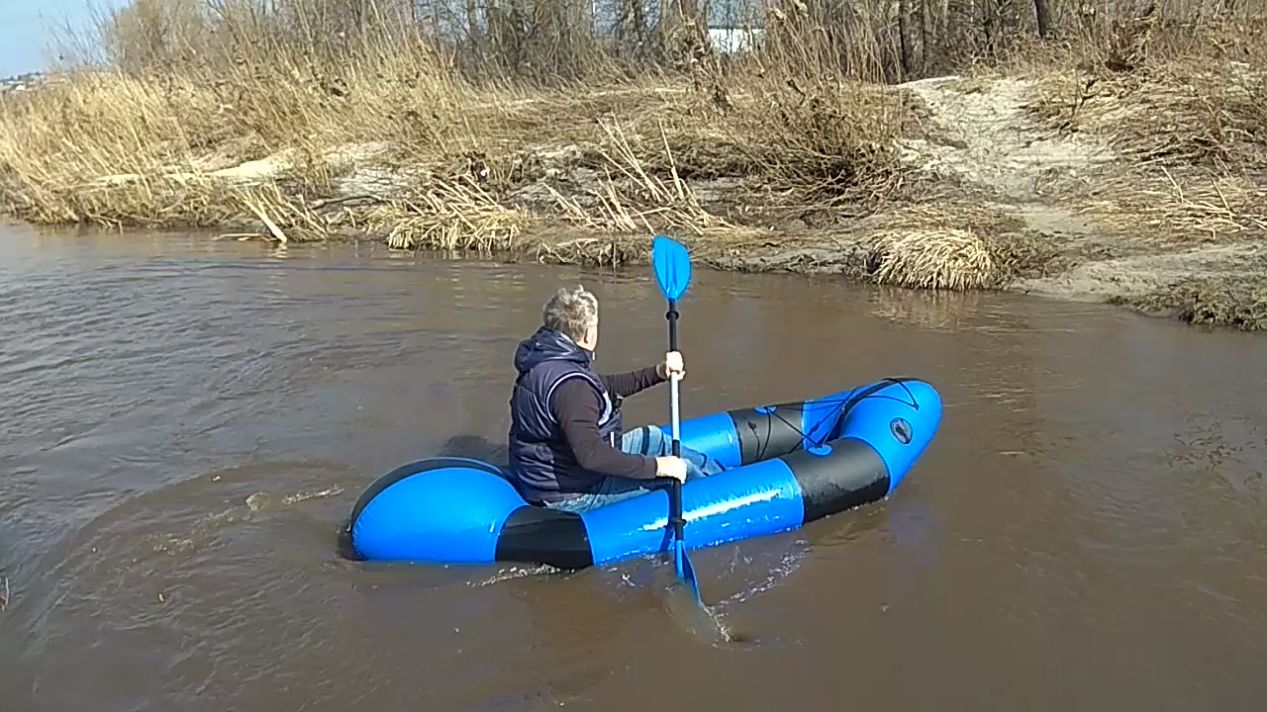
x,y
787,465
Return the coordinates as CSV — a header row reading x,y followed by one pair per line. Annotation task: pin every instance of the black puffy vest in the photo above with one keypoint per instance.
x,y
541,463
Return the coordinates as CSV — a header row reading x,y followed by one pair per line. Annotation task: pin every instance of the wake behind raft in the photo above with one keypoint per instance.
x,y
787,465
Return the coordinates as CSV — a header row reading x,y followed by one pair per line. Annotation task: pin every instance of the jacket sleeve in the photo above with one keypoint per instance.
x,y
627,384
576,407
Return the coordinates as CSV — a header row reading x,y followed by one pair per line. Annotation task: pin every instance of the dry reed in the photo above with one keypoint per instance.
x,y
467,119
448,215
1177,113
1158,207
1229,301
932,259
612,251
632,198
1183,98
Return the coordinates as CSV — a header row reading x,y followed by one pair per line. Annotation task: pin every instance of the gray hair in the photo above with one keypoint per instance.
x,y
571,312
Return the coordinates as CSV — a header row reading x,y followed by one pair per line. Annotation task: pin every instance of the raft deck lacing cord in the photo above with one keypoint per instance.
x,y
848,404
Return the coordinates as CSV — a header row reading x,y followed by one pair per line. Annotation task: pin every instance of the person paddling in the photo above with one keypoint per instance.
x,y
567,448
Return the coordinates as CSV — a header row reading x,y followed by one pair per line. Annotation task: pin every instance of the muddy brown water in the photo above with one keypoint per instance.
x,y
186,423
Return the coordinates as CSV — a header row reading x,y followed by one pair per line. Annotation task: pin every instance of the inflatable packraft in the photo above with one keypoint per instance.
x,y
787,465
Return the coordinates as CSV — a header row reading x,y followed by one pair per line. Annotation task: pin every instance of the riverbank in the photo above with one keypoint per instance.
x,y
1142,184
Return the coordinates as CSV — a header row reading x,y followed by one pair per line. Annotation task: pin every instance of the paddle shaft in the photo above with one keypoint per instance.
x,y
675,491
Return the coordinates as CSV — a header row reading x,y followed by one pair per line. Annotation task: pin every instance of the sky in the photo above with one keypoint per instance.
x,y
27,28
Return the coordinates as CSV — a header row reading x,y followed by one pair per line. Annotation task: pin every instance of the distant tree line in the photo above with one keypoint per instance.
x,y
889,40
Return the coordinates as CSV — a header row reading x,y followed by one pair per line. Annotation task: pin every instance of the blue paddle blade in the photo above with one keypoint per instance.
x,y
685,570
672,267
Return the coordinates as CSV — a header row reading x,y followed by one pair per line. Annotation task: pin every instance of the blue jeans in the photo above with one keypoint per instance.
x,y
652,442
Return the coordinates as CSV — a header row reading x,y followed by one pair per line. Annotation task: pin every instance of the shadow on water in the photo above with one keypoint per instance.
x,y
476,447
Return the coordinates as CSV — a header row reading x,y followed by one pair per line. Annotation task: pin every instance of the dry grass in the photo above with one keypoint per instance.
x,y
826,143
481,137
1239,303
1158,207
1177,113
613,251
1182,97
630,198
170,134
165,132
933,259
957,212
448,215
641,190
1195,133
955,244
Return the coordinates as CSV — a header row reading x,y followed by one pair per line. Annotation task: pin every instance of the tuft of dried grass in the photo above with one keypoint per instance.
x,y
612,251
448,215
1224,302
286,216
1012,248
932,259
1160,206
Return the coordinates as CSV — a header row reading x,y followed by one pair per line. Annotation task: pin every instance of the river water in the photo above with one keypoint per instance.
x,y
186,424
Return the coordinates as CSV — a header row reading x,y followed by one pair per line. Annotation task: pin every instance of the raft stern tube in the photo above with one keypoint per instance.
x,y
787,465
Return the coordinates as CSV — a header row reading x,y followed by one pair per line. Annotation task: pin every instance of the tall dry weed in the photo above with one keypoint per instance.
x,y
194,87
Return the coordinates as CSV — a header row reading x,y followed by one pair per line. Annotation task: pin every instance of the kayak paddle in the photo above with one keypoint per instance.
x,y
673,272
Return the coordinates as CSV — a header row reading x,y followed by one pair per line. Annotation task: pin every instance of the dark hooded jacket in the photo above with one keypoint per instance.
x,y
565,420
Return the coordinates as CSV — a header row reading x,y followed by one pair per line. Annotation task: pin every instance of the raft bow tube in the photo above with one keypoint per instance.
x,y
787,465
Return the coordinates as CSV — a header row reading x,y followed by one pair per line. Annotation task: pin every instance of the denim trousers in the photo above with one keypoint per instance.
x,y
651,441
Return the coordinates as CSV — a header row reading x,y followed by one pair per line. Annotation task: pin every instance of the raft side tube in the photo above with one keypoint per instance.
x,y
899,419
712,434
837,476
759,499
745,436
441,509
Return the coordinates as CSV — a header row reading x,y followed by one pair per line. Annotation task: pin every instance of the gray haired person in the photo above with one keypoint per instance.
x,y
568,449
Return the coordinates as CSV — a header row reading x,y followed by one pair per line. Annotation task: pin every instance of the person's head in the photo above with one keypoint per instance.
x,y
573,313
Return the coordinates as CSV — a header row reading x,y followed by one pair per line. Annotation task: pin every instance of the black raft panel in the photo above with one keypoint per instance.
x,y
767,435
851,475
539,535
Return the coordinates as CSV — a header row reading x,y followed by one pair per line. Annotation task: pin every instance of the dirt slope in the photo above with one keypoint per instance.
x,y
984,137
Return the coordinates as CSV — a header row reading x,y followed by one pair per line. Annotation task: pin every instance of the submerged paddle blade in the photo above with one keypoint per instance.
x,y
672,267
685,570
